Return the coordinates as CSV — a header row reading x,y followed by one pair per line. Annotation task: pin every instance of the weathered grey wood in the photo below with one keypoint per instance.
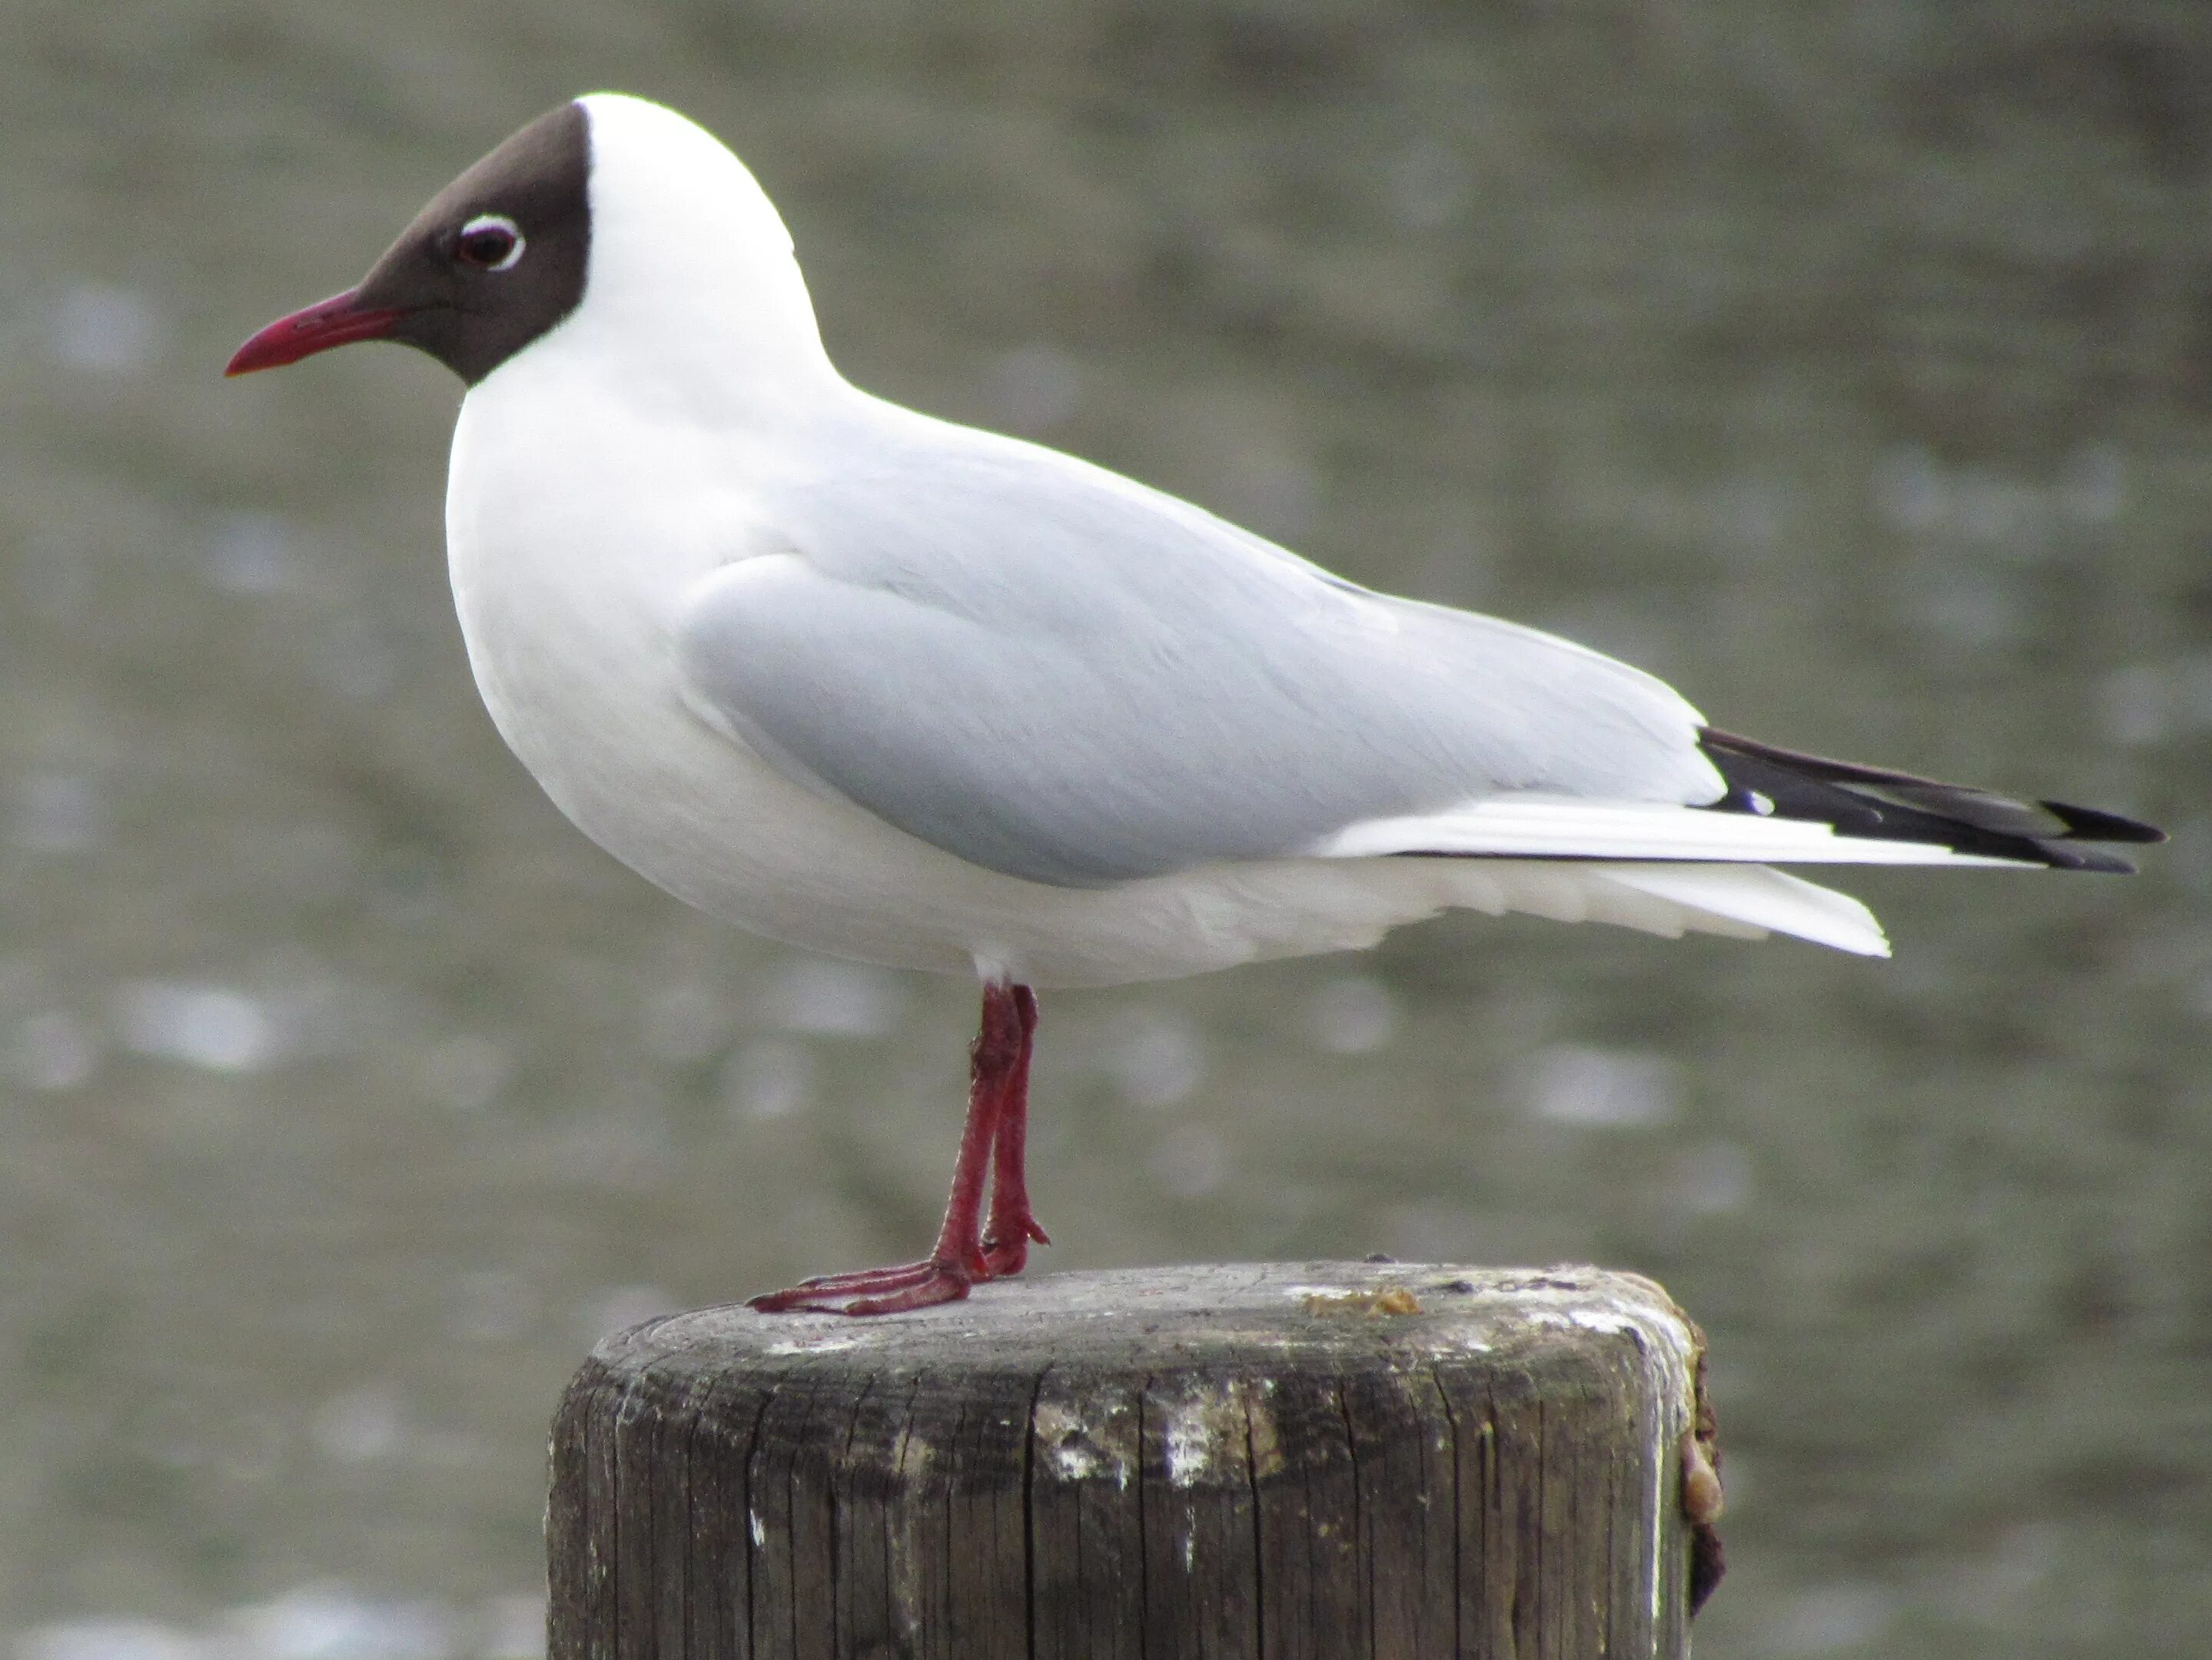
x,y
1320,1460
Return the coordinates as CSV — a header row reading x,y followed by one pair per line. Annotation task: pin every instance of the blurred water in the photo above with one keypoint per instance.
x,y
1848,364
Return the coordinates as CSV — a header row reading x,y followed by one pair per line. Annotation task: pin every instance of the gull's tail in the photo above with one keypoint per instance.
x,y
1668,868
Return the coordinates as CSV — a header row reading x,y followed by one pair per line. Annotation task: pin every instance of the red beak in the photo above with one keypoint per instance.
x,y
332,322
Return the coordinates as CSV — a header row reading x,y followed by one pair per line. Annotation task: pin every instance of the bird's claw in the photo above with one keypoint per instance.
x,y
875,1290
1007,1249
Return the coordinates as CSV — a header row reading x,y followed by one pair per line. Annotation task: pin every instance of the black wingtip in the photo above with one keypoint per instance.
x,y
2061,855
1874,802
2094,825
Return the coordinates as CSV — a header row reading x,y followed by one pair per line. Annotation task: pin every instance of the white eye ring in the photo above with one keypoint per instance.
x,y
496,222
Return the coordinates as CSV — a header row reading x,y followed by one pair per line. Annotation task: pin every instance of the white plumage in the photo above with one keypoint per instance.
x,y
888,688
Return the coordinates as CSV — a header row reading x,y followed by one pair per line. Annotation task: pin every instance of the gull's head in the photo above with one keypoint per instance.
x,y
609,218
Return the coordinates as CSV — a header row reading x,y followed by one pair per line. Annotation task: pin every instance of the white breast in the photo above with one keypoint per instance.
x,y
570,552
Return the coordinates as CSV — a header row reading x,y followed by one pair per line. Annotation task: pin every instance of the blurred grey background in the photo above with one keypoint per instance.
x,y
1849,364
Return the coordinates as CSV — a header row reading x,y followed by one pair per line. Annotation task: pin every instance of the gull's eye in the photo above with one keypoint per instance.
x,y
490,241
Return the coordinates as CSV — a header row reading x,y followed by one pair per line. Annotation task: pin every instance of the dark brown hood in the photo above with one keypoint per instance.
x,y
424,293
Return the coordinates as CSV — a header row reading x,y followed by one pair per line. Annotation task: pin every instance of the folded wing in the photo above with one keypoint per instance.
x,y
1055,674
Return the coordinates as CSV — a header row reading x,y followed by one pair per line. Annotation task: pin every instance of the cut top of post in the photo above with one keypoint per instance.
x,y
1182,1314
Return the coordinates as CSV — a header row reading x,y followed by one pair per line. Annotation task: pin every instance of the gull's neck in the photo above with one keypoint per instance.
x,y
702,352
694,307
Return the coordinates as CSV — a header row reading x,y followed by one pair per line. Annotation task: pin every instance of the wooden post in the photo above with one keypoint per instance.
x,y
1321,1460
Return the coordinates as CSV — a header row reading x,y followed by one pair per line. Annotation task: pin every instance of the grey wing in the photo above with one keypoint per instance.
x,y
1059,675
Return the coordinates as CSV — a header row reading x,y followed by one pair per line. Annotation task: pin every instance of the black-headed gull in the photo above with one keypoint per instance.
x,y
886,687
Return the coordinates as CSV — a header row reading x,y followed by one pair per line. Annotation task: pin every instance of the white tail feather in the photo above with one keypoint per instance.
x,y
1758,897
1531,826
1743,902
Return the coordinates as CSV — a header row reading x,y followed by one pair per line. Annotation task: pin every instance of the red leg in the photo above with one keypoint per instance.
x,y
1001,1052
1014,1227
